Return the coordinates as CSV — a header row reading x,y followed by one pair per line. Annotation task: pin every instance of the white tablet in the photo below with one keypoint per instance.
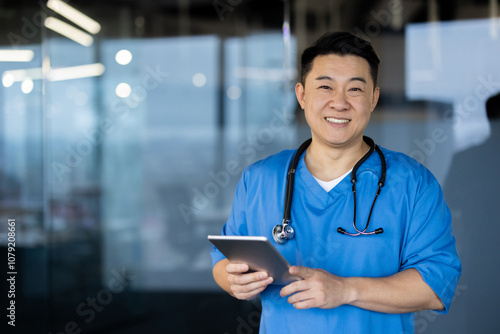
x,y
258,253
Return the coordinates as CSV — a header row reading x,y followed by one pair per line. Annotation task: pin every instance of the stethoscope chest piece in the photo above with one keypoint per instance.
x,y
282,233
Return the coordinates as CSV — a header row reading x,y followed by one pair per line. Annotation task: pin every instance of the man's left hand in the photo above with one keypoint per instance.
x,y
318,288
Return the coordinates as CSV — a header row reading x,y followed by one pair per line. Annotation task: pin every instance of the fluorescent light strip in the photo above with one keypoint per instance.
x,y
55,74
16,55
9,77
76,72
69,31
20,75
74,16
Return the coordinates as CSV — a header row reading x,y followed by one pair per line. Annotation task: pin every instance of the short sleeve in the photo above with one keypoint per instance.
x,y
236,223
430,244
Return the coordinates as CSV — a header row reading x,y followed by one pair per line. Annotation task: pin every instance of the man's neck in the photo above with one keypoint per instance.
x,y
328,163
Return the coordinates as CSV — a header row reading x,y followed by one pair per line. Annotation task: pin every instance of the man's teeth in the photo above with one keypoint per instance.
x,y
337,121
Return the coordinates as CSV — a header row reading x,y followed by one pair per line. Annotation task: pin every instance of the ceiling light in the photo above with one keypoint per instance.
x,y
123,57
69,31
76,72
54,74
10,77
123,90
27,86
8,80
74,16
16,55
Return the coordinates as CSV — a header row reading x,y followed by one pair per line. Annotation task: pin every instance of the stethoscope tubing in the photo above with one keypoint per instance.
x,y
282,233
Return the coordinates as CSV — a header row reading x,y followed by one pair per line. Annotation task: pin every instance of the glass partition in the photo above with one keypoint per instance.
x,y
122,144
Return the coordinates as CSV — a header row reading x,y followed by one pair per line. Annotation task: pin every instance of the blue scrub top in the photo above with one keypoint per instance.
x,y
411,209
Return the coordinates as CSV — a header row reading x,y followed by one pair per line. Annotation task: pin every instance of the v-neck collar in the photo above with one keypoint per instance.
x,y
344,187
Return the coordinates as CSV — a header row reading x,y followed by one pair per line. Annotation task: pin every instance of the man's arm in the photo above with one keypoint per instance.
x,y
403,292
234,279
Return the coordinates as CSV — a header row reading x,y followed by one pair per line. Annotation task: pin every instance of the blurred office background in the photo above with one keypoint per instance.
x,y
122,139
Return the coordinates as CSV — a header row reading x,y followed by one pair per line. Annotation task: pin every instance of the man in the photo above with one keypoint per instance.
x,y
365,284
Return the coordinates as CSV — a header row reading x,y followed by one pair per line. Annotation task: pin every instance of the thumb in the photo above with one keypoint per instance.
x,y
303,272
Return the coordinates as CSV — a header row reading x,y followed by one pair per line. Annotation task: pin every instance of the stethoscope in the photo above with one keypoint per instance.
x,y
282,233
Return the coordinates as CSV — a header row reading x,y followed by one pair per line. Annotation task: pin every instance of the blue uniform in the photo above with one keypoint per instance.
x,y
411,209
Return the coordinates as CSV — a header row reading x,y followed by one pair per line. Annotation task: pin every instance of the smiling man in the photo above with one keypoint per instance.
x,y
354,278
338,98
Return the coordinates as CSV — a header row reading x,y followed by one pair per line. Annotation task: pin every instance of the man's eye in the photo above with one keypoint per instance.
x,y
324,87
355,89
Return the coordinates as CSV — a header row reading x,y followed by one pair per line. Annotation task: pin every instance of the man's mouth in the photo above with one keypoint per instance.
x,y
337,120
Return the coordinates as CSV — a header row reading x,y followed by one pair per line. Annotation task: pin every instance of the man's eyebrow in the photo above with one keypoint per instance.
x,y
326,77
363,80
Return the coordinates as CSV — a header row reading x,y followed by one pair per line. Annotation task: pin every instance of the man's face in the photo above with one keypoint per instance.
x,y
338,98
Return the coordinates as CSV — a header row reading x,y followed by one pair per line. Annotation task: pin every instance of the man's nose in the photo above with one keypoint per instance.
x,y
338,100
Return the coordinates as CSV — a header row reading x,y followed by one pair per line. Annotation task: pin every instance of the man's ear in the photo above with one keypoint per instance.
x,y
376,95
299,92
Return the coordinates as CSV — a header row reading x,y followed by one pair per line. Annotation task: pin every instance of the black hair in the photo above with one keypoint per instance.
x,y
342,44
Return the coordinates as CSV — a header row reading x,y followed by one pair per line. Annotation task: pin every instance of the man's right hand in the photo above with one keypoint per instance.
x,y
244,285
235,279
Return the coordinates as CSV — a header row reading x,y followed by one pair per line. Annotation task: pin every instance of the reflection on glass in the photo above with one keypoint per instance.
x,y
199,80
435,52
456,64
234,92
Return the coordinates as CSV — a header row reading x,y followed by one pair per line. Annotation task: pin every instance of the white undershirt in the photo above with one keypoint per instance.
x,y
329,185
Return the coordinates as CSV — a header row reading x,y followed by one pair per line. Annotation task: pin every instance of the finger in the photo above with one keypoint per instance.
x,y
303,272
237,268
292,288
300,296
248,295
304,300
243,279
252,286
305,304
250,290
